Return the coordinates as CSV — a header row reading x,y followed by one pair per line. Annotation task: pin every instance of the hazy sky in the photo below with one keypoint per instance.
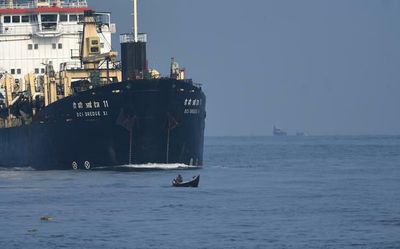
x,y
324,67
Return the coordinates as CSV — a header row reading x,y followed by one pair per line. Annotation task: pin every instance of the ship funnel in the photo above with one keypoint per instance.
x,y
133,51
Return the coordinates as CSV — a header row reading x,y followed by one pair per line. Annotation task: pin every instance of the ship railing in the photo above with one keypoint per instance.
x,y
18,6
18,30
33,4
198,85
74,4
129,38
190,81
76,65
25,30
35,29
70,28
71,65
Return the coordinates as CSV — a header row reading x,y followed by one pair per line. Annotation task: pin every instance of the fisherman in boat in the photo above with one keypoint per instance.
x,y
179,179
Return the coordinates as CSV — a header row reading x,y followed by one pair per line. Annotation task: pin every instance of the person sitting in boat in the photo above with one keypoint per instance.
x,y
179,179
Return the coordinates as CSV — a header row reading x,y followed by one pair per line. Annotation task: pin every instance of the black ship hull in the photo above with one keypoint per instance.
x,y
133,122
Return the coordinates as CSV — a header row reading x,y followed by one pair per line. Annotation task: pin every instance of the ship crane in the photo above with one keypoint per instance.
x,y
100,58
90,47
110,56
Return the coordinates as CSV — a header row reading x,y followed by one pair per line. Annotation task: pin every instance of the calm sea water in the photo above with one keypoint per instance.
x,y
255,192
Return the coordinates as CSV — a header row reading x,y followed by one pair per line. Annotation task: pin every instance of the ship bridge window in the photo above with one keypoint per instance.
x,y
25,19
49,21
7,19
73,18
63,18
16,19
49,18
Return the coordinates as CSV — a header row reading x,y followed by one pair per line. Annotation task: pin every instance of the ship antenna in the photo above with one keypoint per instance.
x,y
135,21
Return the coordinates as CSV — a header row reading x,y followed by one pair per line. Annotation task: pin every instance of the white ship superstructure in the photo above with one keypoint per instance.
x,y
37,33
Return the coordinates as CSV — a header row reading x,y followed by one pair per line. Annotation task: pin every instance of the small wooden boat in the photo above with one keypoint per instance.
x,y
194,183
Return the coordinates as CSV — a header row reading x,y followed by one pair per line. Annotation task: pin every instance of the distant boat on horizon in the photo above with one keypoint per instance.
x,y
301,134
279,132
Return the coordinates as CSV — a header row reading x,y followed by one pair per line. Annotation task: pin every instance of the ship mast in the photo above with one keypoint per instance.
x,y
135,21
